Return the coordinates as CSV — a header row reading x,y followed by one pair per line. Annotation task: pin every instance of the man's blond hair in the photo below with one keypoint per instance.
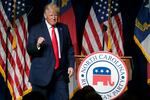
x,y
53,6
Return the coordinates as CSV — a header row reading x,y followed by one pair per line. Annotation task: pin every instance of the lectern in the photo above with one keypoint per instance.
x,y
126,59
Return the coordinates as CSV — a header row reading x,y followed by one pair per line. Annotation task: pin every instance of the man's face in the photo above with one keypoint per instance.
x,y
51,16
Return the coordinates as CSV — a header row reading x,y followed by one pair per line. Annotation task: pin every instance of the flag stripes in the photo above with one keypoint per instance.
x,y
18,58
93,34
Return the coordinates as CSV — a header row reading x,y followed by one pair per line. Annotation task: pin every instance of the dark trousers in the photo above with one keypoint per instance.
x,y
57,89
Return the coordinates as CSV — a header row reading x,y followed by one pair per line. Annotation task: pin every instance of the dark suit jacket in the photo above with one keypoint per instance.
x,y
43,61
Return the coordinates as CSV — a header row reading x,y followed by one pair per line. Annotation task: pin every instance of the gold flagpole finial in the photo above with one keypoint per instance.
x,y
109,45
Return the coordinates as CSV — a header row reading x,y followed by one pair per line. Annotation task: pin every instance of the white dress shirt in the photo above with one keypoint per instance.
x,y
57,35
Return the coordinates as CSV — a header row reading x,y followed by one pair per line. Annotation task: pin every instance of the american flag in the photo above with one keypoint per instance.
x,y
13,47
103,28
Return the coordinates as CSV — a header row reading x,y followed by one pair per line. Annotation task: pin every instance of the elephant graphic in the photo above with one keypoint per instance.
x,y
102,74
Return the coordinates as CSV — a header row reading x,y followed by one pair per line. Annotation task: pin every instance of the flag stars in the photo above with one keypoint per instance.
x,y
102,17
23,4
9,9
117,4
111,9
9,3
18,7
99,10
22,9
5,2
104,7
101,71
19,2
96,71
107,71
113,2
96,3
100,5
17,13
103,12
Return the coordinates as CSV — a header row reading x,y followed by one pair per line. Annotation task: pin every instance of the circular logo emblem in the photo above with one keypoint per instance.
x,y
105,72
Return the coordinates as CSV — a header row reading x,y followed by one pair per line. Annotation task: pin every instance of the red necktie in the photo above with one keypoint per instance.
x,y
55,47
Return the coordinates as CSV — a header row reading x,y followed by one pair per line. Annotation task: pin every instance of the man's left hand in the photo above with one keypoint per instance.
x,y
70,71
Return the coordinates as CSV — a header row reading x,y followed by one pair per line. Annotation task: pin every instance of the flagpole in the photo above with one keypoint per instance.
x,y
14,13
104,29
59,5
149,6
109,45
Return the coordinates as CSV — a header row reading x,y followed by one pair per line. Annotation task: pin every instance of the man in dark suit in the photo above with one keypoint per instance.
x,y
50,47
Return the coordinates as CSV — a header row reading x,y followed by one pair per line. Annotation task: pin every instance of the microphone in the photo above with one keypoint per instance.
x,y
104,29
8,30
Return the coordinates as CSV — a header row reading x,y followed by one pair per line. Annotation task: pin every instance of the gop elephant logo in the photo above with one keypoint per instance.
x,y
105,72
102,74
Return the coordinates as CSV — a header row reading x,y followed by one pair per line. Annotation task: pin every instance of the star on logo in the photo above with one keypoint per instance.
x,y
102,71
107,71
96,71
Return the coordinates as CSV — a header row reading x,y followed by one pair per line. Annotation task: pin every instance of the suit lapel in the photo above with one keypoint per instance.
x,y
60,31
47,36
46,33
